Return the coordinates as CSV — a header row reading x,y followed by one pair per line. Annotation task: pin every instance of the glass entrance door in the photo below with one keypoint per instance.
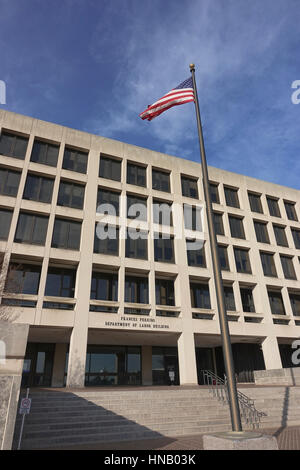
x,y
165,370
38,365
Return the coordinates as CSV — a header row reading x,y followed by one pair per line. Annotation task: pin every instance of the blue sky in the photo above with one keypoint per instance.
x,y
95,65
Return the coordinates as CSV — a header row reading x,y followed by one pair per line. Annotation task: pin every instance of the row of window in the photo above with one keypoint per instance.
x,y
104,286
110,168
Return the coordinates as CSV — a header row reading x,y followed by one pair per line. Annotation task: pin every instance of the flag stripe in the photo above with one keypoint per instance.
x,y
150,114
166,99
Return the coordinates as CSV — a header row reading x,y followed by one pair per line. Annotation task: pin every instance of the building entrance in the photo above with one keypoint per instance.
x,y
165,370
38,365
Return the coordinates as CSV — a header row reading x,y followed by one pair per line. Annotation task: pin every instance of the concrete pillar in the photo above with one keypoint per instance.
x,y
59,365
271,353
147,365
187,359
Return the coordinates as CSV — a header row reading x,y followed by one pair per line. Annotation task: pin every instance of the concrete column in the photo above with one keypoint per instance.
x,y
147,365
187,359
271,353
59,365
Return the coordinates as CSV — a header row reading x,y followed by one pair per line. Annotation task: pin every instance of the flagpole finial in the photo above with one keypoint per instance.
x,y
192,67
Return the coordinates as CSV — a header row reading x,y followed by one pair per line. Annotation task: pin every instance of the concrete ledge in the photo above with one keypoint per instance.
x,y
239,441
290,376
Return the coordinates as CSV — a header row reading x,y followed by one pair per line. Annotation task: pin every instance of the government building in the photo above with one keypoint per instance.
x,y
128,310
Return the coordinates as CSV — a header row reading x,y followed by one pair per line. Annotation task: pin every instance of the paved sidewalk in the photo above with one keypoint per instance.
x,y
287,438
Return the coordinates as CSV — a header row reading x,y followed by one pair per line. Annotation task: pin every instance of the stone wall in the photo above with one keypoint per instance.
x,y
289,376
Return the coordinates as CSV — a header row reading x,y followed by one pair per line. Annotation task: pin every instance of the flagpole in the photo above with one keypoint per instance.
x,y
226,344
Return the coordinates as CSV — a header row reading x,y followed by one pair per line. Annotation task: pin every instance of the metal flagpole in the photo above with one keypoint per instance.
x,y
227,350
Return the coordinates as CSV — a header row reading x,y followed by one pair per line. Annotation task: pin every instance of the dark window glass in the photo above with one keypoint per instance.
x,y
196,257
75,160
106,240
276,303
273,207
161,181
214,193
5,220
162,213
229,298
267,261
38,188
71,195
134,212
164,249
255,202
218,222
110,168
261,232
136,244
136,289
104,286
44,153
164,292
200,295
66,234
242,261
13,145
288,267
108,197
9,182
280,235
189,187
31,229
223,256
231,196
247,300
192,217
295,303
290,210
236,227
60,282
296,237
136,174
23,279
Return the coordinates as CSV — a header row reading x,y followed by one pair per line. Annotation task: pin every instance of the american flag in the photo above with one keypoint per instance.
x,y
183,93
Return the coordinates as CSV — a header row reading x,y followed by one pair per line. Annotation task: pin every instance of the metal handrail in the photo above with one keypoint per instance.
x,y
218,387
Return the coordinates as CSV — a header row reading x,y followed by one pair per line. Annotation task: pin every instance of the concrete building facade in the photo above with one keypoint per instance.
x,y
121,312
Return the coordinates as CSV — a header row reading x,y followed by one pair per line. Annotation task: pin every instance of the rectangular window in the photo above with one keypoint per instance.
x,y
12,145
164,249
164,292
255,202
136,244
44,153
242,260
106,240
276,303
60,282
296,237
290,210
75,160
236,227
223,256
136,289
280,235
23,279
136,207
110,168
109,198
295,303
160,180
218,222
273,207
136,175
31,229
229,298
189,187
247,300
162,213
38,188
66,234
288,267
196,256
192,217
268,265
200,295
104,286
5,220
9,182
214,193
261,232
231,196
71,195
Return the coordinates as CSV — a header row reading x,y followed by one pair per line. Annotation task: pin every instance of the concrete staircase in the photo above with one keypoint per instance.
x,y
65,418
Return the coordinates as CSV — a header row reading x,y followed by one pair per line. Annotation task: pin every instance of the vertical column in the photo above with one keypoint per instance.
x,y
271,353
187,358
59,365
147,365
